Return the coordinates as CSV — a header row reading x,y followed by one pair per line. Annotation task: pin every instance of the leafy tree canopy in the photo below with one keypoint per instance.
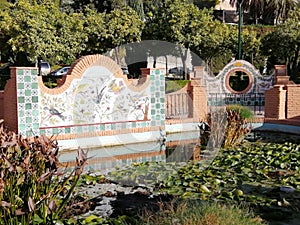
x,y
206,3
182,23
123,26
32,30
42,30
282,46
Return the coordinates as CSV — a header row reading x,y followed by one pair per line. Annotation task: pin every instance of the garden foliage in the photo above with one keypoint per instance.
x,y
264,177
34,186
228,127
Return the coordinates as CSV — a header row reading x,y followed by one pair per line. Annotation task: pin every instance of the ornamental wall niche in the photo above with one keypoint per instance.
x,y
257,83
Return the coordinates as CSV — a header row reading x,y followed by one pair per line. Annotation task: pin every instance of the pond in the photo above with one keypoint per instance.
x,y
276,133
264,195
177,148
277,137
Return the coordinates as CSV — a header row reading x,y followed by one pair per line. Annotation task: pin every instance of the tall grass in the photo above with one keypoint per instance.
x,y
228,127
198,213
236,125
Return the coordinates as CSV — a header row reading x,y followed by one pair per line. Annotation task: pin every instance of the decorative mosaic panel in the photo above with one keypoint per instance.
x,y
27,100
115,107
93,102
157,78
98,97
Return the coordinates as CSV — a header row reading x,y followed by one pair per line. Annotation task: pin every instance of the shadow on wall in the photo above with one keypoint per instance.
x,y
1,103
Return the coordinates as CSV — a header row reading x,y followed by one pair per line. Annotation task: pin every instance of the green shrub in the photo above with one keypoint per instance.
x,y
244,111
34,188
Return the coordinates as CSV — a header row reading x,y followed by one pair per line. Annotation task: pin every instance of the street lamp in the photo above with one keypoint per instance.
x,y
240,3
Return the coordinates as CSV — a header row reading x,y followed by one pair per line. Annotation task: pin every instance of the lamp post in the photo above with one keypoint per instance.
x,y
240,3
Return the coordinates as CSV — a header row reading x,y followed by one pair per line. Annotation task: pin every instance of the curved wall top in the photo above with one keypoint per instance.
x,y
95,91
90,65
257,82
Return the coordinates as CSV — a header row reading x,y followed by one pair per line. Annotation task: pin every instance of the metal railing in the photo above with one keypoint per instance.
x,y
254,101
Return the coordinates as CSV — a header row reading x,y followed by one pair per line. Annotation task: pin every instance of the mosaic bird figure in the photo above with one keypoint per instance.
x,y
54,112
116,87
99,95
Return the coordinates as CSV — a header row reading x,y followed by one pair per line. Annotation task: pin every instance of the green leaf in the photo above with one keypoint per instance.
x,y
92,218
37,219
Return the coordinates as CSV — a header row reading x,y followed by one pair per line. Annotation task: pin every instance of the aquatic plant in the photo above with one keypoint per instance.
x,y
228,127
34,186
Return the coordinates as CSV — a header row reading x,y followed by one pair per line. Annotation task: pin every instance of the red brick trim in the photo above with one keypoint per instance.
x,y
81,65
105,133
236,70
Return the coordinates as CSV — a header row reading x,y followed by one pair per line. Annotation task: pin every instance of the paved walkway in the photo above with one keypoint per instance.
x,y
295,121
291,125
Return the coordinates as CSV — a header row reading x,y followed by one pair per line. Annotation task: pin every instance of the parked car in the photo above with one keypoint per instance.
x,y
125,70
61,71
44,68
178,72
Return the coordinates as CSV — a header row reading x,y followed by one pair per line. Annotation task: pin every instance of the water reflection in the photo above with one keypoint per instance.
x,y
177,148
181,153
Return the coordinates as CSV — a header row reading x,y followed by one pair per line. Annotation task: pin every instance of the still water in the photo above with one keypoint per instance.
x,y
178,147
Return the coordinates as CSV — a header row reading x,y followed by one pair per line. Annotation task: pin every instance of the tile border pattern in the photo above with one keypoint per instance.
x,y
29,89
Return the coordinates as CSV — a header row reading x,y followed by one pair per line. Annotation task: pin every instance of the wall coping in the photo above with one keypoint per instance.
x,y
82,64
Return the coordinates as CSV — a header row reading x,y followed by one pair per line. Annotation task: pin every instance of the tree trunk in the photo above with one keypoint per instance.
x,y
166,64
183,55
154,61
117,55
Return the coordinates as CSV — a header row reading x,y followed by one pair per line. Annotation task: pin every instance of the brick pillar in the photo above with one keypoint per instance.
x,y
10,114
293,100
198,96
199,74
275,102
281,76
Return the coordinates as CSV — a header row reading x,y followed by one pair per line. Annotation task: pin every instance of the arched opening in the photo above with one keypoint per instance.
x,y
238,82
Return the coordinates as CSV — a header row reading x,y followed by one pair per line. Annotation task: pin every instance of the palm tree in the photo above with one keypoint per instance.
x,y
267,10
256,9
282,7
253,7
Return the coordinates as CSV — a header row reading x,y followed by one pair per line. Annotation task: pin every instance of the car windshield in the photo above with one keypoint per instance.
x,y
62,69
56,70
